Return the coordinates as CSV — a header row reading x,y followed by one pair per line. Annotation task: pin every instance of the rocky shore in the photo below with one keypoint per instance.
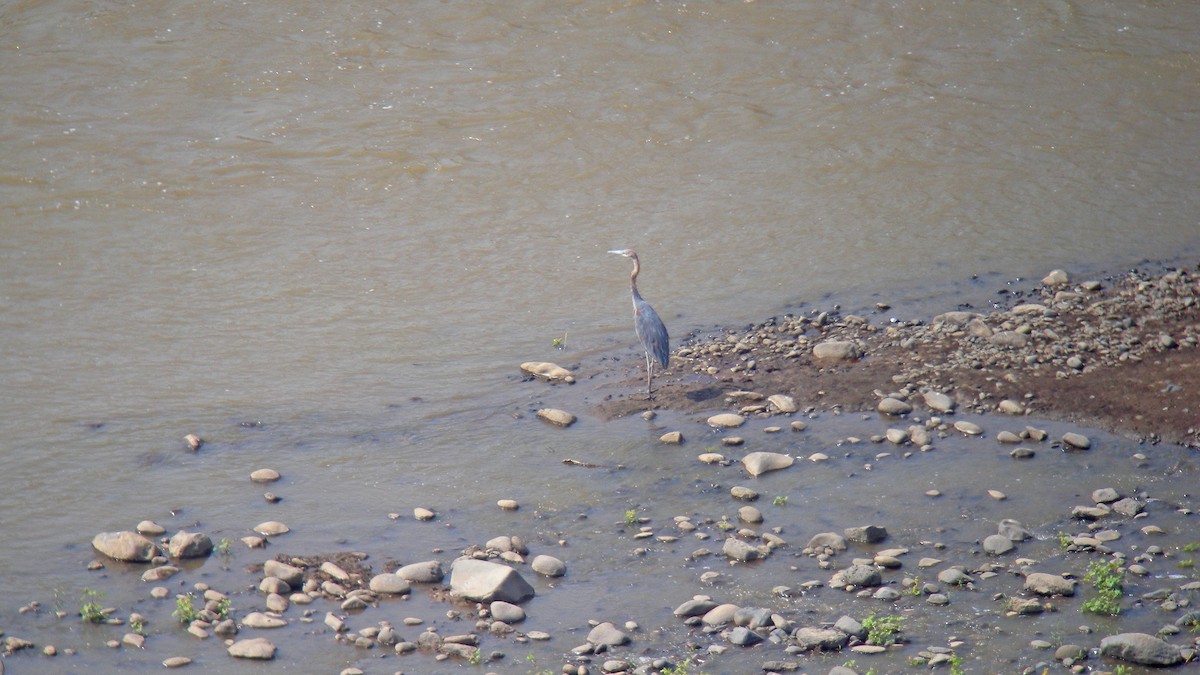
x,y
824,493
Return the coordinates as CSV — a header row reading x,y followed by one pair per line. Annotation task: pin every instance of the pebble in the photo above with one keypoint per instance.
x,y
150,528
264,476
749,514
272,528
1076,441
549,371
548,566
507,504
422,513
1010,407
997,544
557,417
193,442
671,437
893,406
255,648
836,350
711,458
938,402
783,403
176,662
1049,584
1105,495
726,420
1008,437
968,428
758,463
1022,453
743,493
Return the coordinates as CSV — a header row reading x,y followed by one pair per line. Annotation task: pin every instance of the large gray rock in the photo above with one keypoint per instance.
x,y
866,534
548,565
392,584
758,463
822,639
506,612
485,581
189,545
1141,648
128,546
856,575
1049,584
829,540
695,607
255,648
836,350
742,551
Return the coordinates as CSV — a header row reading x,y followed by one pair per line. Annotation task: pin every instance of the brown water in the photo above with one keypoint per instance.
x,y
351,222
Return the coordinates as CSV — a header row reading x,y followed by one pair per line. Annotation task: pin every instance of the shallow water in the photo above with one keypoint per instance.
x,y
350,225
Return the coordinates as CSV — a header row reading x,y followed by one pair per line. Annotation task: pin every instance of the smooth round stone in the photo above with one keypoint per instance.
x,y
893,406
939,402
997,495
1010,407
711,458
506,612
1077,441
265,476
897,436
277,603
743,493
150,528
176,662
272,528
255,648
1022,453
260,620
968,428
758,463
549,566
671,438
750,514
733,441
726,420
389,583
836,350
422,513
785,404
997,544
1008,437
1105,495
557,417
798,425
508,504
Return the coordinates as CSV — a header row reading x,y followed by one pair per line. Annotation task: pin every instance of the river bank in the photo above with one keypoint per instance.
x,y
924,497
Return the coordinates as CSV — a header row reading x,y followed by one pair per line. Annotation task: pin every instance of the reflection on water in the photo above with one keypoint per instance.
x,y
353,223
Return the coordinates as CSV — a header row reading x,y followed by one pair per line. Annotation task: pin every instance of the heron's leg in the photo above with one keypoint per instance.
x,y
649,377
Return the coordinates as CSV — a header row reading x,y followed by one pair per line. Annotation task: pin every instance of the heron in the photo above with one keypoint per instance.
x,y
650,328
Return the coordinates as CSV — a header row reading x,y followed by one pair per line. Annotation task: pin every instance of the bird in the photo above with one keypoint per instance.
x,y
650,328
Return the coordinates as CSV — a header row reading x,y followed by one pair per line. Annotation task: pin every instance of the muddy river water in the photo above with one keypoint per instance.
x,y
322,237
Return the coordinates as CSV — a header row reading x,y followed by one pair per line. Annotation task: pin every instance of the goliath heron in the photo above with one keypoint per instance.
x,y
650,328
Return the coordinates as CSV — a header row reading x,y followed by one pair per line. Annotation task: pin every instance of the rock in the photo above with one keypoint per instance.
x,y
866,534
1014,530
1009,338
260,620
1022,453
749,514
1010,407
1142,649
697,606
671,438
333,571
978,328
150,528
968,428
742,551
506,612
428,572
726,420
856,575
836,350
134,640
291,575
160,573
423,514
893,406
1008,437
850,626
1055,278
954,576
335,623
1090,512
193,442
955,318
507,504
997,544
557,417
720,615
1127,507
485,581
743,493
785,404
897,436
275,602
820,639
938,402
829,540
189,545
128,546
711,457
608,635
1071,652
758,463
1049,584
272,528
549,371
176,662
1076,441
548,566
391,584
1105,495
744,637
255,648
265,476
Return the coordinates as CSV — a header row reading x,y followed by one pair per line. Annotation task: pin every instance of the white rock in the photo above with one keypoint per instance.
x,y
726,420
555,416
785,404
758,463
549,371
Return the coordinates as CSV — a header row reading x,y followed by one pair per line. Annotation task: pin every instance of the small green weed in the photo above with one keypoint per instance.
x,y
137,626
1191,547
631,517
476,658
780,500
185,612
1064,539
882,630
533,666
956,667
223,607
915,589
90,609
1106,579
559,342
1185,564
1122,670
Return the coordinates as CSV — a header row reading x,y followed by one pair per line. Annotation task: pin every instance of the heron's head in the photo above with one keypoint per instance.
x,y
627,252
